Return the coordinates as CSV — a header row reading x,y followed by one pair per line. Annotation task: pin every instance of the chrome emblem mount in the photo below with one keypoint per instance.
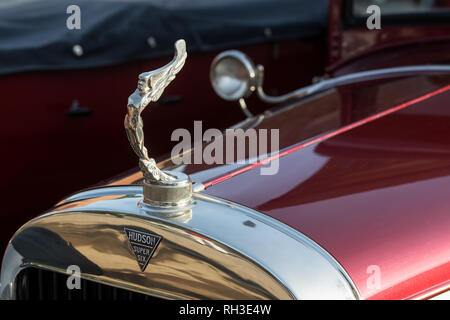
x,y
163,190
143,245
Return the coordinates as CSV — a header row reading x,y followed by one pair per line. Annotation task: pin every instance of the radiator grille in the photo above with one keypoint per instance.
x,y
37,284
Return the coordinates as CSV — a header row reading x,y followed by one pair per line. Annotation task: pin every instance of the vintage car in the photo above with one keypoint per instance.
x,y
353,210
357,207
72,83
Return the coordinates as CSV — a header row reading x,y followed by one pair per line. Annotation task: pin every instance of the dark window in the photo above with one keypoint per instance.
x,y
398,12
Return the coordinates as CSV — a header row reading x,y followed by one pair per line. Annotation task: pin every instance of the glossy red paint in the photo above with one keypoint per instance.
x,y
431,52
318,182
373,194
431,292
362,43
325,137
353,49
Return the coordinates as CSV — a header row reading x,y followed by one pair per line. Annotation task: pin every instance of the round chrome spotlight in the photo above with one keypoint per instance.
x,y
233,75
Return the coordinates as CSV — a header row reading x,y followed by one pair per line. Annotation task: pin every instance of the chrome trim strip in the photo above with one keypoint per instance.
x,y
102,192
442,296
296,235
348,79
220,250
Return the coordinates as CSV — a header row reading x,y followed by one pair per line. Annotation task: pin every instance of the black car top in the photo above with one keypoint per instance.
x,y
34,35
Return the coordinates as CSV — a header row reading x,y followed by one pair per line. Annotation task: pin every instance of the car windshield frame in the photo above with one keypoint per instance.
x,y
416,18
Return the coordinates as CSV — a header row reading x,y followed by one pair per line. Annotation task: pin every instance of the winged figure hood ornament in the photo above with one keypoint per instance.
x,y
161,189
151,85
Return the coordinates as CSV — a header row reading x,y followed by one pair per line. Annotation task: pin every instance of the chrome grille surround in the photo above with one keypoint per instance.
x,y
219,250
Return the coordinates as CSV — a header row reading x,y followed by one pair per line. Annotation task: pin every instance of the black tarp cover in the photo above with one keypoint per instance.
x,y
34,36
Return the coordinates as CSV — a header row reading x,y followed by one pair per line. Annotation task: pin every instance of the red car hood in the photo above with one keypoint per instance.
x,y
375,194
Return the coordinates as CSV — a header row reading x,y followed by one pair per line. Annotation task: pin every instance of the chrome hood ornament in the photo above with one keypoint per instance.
x,y
161,189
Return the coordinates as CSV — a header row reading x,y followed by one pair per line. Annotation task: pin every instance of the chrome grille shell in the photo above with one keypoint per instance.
x,y
218,250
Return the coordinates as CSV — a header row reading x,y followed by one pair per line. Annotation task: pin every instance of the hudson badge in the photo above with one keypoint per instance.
x,y
143,245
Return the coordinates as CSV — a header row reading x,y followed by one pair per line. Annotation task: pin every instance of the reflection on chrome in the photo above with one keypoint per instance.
x,y
197,258
234,77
